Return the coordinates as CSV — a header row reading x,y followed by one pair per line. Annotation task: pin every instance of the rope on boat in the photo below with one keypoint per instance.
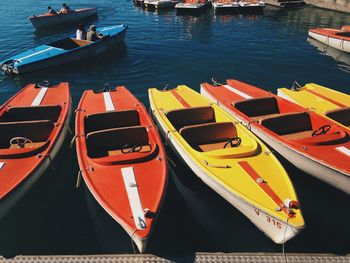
x,y
73,140
296,86
50,160
284,241
215,165
68,128
215,82
171,161
80,173
132,241
43,84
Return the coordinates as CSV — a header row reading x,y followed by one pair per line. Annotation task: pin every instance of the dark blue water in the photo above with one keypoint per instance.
x,y
268,50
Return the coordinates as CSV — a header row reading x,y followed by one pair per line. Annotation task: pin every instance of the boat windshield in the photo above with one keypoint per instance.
x,y
69,43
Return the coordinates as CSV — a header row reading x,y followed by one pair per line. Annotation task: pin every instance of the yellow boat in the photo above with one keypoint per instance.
x,y
332,104
229,159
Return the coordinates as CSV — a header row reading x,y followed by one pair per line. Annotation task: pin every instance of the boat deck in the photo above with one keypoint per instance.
x,y
197,257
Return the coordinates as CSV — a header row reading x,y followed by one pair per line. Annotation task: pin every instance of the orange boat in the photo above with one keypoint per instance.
x,y
314,144
122,159
33,125
338,39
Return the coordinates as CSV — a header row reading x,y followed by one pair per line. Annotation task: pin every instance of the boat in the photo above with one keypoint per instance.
x,y
159,4
285,3
138,2
336,38
229,159
192,6
225,5
122,159
33,124
251,6
330,103
49,20
63,51
314,144
336,54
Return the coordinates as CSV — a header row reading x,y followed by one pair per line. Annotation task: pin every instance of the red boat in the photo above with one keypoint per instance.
x,y
122,159
311,142
33,125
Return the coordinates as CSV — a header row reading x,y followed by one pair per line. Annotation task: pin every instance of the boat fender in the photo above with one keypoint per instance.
x,y
293,204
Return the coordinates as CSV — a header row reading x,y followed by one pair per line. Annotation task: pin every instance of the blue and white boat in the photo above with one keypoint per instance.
x,y
63,51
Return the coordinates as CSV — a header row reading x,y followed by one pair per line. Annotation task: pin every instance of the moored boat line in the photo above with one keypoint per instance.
x,y
229,159
313,143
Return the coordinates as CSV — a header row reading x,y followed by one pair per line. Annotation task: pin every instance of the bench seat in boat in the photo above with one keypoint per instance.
x,y
341,115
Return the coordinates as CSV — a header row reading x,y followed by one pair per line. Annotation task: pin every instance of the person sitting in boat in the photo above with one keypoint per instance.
x,y
65,9
81,34
51,11
92,35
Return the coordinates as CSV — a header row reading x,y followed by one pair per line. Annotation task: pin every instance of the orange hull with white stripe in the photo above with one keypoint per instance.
x,y
41,115
324,156
122,181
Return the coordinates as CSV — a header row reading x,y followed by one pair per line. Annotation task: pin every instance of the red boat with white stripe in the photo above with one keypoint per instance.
x,y
33,125
314,144
122,159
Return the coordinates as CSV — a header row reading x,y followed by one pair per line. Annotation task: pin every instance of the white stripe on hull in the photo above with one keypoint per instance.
x,y
238,92
343,150
340,44
39,97
108,101
134,197
1,165
34,54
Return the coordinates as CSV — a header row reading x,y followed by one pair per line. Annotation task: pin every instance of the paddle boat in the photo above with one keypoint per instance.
x,y
63,51
192,6
159,4
338,39
121,159
33,124
251,6
49,20
225,5
330,103
314,144
228,158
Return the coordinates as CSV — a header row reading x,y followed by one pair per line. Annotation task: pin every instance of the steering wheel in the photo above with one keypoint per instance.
x,y
127,148
233,142
20,141
322,130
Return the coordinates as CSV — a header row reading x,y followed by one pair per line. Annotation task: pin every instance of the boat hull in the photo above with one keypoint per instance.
x,y
299,159
10,200
44,21
191,8
156,5
337,43
225,7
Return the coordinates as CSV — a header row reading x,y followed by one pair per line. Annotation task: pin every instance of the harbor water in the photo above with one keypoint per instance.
x,y
269,50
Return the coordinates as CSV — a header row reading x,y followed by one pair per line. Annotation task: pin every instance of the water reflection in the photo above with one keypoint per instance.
x,y
336,54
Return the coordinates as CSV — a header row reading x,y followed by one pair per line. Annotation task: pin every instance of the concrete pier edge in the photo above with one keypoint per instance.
x,y
196,257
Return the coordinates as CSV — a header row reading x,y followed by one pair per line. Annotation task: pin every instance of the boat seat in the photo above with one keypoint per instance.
x,y
32,113
297,123
209,136
110,141
81,42
341,115
113,119
257,106
36,131
191,116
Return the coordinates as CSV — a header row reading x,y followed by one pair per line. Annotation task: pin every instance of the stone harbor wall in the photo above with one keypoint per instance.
x,y
338,5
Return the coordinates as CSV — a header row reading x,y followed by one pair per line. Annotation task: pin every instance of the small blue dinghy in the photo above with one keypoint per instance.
x,y
63,51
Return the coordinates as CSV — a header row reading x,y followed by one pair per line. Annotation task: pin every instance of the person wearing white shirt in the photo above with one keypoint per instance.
x,y
81,34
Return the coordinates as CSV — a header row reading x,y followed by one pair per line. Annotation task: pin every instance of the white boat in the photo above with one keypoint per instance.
x,y
192,5
225,5
159,4
251,6
338,39
48,20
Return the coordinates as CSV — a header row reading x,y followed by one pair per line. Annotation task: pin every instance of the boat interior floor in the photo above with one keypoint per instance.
x,y
70,43
198,126
15,114
341,115
115,133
